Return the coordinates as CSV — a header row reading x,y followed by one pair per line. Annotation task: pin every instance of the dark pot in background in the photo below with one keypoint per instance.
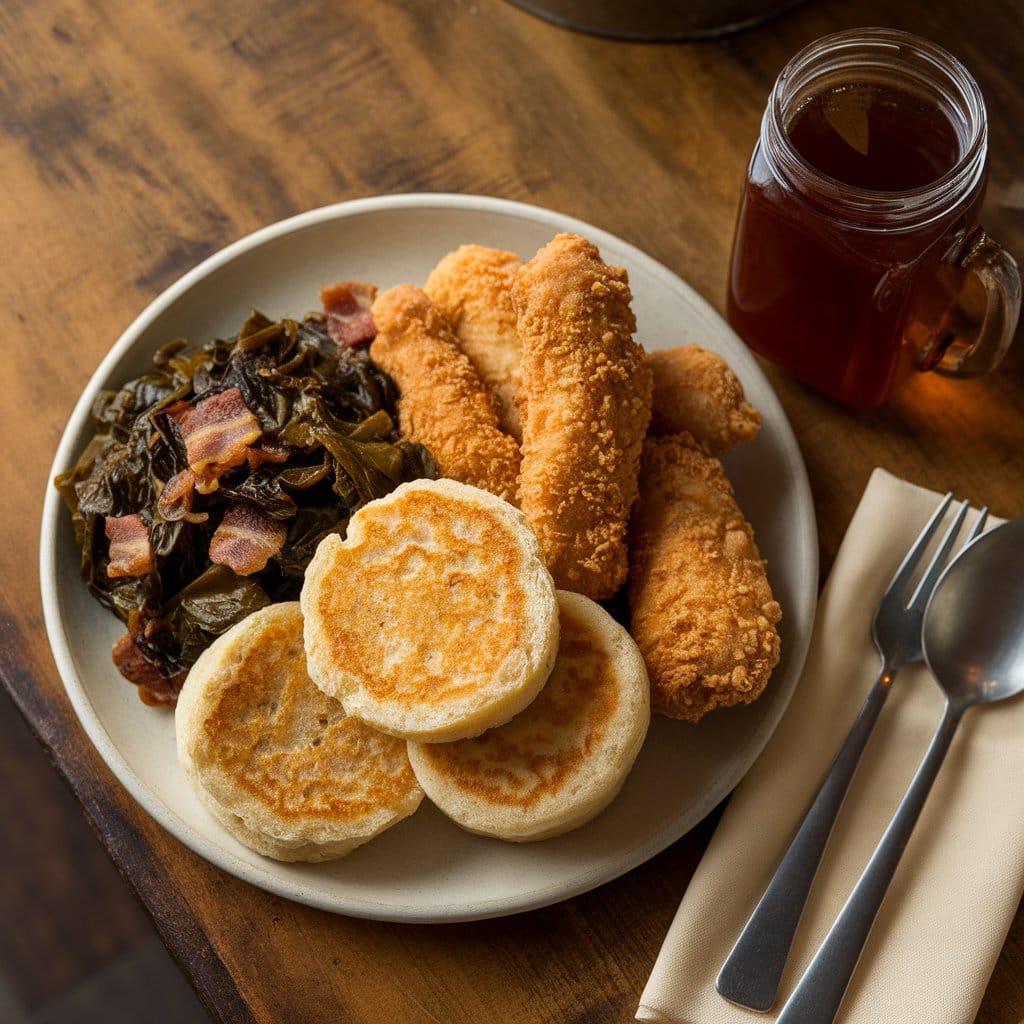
x,y
656,20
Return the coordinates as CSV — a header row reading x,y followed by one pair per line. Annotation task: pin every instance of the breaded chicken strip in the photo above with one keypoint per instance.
x,y
472,287
696,392
703,614
586,402
443,403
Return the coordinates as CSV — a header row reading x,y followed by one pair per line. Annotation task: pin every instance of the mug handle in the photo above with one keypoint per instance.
x,y
981,321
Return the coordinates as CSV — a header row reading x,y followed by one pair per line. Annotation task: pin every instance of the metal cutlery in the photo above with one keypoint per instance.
x,y
973,639
751,973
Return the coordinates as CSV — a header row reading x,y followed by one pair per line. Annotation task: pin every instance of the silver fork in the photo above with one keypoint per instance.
x,y
751,973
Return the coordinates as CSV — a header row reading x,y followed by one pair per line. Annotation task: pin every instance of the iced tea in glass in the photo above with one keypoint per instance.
x,y
858,230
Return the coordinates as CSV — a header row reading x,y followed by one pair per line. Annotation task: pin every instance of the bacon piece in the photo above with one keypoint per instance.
x,y
176,498
155,689
175,409
131,553
246,539
217,432
267,451
347,305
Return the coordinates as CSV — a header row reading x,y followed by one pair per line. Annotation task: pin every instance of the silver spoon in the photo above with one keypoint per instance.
x,y
973,639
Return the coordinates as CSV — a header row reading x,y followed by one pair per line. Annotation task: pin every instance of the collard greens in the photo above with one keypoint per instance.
x,y
326,411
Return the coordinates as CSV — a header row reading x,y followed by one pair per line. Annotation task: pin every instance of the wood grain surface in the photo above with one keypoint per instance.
x,y
135,139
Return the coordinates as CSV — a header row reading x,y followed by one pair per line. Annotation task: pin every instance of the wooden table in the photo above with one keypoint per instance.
x,y
136,139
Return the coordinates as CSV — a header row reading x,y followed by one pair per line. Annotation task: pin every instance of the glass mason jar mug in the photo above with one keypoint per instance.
x,y
858,256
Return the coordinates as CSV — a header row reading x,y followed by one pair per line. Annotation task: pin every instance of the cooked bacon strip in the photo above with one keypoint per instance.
x,y
131,553
347,305
217,432
175,409
176,498
246,540
155,689
267,451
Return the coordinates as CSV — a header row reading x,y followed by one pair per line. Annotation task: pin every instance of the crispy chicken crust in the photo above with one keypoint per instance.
x,y
586,399
703,614
472,287
443,405
697,393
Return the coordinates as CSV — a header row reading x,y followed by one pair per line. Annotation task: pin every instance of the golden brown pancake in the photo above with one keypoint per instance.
x,y
563,759
274,759
435,618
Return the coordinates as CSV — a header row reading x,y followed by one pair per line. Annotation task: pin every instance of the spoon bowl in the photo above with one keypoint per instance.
x,y
973,633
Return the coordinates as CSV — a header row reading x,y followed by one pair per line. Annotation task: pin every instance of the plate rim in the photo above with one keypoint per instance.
x,y
270,877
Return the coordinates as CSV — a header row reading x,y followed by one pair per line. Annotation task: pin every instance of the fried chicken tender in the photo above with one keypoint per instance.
x,y
443,404
703,614
696,392
472,287
586,400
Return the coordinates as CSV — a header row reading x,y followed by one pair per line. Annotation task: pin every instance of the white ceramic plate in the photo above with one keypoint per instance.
x,y
427,869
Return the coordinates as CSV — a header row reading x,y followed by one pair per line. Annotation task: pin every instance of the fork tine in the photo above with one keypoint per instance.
x,y
901,579
979,526
931,575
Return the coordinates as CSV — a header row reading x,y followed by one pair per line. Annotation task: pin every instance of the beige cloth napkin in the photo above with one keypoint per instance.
x,y
951,903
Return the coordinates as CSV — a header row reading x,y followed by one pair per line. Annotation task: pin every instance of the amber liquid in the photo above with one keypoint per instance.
x,y
827,299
